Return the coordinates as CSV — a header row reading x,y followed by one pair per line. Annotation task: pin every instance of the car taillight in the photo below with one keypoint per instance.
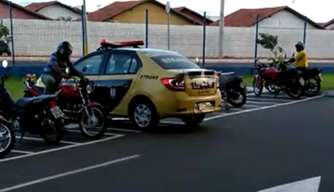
x,y
174,84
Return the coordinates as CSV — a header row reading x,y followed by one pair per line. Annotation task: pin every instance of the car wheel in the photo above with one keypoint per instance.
x,y
193,121
144,115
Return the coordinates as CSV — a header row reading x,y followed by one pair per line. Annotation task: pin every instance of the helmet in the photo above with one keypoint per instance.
x,y
300,45
65,49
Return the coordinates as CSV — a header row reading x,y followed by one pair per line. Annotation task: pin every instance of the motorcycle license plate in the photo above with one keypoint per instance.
x,y
56,112
301,81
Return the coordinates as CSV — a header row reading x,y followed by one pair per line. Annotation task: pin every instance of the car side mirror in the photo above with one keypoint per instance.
x,y
84,69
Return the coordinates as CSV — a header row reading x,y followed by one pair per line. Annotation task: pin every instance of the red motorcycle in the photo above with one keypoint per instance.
x,y
74,101
279,79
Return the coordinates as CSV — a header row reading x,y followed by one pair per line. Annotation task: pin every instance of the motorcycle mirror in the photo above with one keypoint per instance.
x,y
4,63
84,69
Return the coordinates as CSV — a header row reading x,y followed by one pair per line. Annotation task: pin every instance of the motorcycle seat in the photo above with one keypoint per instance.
x,y
24,101
40,90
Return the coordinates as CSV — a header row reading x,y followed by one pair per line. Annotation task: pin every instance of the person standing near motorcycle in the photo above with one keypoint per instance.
x,y
300,59
55,69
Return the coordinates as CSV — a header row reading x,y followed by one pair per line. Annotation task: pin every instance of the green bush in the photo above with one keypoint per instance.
x,y
270,42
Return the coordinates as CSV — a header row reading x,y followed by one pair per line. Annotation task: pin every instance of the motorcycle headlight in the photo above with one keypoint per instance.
x,y
89,89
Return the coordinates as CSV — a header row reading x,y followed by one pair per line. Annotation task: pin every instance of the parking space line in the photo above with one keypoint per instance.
x,y
260,103
77,131
24,152
65,174
251,106
125,130
269,99
262,108
172,122
38,139
62,148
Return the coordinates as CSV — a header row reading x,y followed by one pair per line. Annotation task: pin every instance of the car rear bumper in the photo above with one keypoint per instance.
x,y
186,106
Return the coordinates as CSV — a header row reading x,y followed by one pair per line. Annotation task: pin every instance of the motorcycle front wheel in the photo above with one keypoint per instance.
x,y
7,139
92,122
234,95
257,86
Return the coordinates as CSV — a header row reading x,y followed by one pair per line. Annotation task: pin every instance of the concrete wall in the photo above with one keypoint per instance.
x,y
37,37
56,11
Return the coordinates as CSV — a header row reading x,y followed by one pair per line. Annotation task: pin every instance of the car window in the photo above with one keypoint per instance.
x,y
92,63
174,62
121,64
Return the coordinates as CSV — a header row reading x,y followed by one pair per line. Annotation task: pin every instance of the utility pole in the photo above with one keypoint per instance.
x,y
221,29
85,27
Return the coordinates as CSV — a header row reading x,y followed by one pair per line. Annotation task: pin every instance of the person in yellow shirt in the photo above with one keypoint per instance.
x,y
300,59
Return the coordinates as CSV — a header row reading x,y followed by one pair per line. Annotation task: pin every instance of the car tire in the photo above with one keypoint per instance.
x,y
193,121
147,109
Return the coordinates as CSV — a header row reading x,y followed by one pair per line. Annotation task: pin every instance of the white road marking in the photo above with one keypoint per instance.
x,y
78,131
261,108
61,148
306,185
260,103
38,139
125,130
24,152
269,99
251,106
53,177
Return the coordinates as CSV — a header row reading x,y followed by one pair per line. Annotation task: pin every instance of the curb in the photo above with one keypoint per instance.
x,y
329,93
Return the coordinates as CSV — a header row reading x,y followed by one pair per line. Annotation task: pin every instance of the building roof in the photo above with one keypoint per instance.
x,y
119,7
35,7
196,17
328,23
247,17
25,10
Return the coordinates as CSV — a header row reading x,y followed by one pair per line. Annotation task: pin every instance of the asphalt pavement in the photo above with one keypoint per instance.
x,y
269,142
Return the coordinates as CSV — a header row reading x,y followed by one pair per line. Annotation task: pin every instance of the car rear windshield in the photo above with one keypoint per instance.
x,y
174,62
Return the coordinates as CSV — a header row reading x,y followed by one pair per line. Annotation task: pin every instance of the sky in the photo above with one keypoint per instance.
x,y
318,11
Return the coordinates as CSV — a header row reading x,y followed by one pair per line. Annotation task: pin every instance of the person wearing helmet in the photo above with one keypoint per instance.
x,y
300,59
55,69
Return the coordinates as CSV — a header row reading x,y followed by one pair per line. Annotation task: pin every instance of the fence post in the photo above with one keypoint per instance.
x,y
256,37
11,32
146,28
204,38
83,30
85,26
305,26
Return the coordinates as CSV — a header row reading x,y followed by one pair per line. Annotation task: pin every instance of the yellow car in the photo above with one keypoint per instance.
x,y
147,85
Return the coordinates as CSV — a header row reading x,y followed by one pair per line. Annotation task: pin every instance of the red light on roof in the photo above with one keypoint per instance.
x,y
104,42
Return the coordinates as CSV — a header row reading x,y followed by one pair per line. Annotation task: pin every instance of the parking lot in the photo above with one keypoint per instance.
x,y
268,142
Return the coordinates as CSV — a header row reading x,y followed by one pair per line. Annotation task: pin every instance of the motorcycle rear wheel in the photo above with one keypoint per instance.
x,y
294,90
102,119
309,84
56,127
242,94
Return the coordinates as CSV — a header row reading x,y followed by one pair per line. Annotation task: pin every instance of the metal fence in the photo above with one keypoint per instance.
x,y
38,38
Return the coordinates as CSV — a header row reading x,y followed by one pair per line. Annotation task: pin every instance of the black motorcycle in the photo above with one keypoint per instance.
x,y
37,115
233,89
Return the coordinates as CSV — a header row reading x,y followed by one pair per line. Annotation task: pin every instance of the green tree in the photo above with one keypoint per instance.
x,y
270,42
